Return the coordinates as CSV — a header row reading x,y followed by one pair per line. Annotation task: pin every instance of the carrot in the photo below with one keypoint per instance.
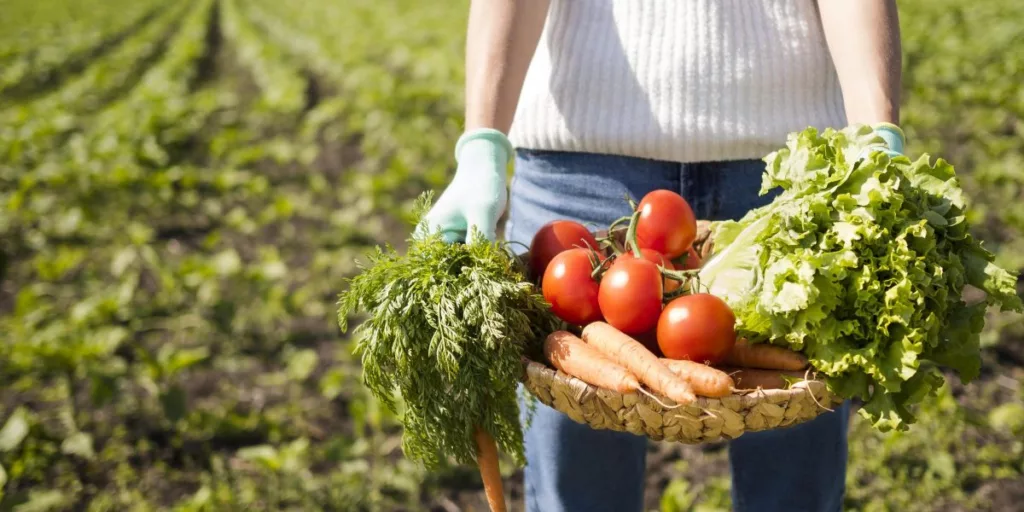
x,y
705,380
765,357
753,378
630,353
571,355
487,460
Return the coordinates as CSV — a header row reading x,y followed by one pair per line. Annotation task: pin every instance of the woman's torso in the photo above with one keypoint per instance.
x,y
678,80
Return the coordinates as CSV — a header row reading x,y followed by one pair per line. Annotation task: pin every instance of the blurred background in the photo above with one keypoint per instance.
x,y
184,185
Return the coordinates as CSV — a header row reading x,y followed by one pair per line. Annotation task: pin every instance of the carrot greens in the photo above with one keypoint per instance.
x,y
445,329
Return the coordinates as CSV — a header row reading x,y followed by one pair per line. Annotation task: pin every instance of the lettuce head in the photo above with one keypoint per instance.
x,y
861,264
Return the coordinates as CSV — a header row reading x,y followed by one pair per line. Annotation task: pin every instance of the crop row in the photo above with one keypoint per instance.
x,y
30,130
283,87
400,90
44,64
28,26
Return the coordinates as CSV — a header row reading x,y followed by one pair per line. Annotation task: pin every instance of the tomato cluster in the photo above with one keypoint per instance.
x,y
640,285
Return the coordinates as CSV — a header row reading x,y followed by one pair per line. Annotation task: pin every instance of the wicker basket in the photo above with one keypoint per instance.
x,y
705,420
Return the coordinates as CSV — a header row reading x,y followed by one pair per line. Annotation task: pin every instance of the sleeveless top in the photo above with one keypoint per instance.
x,y
677,80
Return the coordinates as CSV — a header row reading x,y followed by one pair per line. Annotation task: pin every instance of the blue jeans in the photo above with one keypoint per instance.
x,y
571,467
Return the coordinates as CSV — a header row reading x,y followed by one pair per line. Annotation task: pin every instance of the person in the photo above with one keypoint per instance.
x,y
599,99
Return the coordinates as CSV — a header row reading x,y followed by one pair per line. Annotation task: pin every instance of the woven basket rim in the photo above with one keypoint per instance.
x,y
747,396
658,418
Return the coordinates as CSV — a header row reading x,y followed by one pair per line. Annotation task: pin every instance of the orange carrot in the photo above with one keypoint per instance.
x,y
487,460
705,380
630,353
753,378
571,355
765,357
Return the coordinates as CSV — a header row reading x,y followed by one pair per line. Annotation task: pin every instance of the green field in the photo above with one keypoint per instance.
x,y
184,186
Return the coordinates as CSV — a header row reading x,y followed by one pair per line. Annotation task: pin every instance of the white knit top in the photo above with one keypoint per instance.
x,y
678,80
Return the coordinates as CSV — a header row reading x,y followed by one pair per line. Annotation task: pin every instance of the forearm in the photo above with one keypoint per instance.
x,y
864,39
500,41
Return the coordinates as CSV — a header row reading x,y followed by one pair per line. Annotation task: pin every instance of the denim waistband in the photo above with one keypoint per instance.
x,y
592,188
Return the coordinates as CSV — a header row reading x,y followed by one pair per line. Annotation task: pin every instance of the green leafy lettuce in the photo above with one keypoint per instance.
x,y
861,264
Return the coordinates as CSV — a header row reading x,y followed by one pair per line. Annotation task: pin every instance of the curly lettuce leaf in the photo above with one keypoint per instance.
x,y
861,264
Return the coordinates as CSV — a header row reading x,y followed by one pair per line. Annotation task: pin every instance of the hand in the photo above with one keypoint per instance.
x,y
477,195
893,137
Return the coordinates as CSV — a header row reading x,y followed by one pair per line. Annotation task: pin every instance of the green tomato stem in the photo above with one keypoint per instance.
x,y
618,221
608,242
597,264
679,275
682,276
632,204
631,234
611,233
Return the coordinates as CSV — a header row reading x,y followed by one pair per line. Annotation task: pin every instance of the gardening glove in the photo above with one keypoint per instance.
x,y
477,195
893,137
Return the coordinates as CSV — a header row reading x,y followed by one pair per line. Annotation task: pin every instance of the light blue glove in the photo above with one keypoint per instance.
x,y
477,195
893,137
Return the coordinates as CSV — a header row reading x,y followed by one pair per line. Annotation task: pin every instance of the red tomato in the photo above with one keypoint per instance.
x,y
630,295
658,259
699,327
555,237
570,289
693,261
666,224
